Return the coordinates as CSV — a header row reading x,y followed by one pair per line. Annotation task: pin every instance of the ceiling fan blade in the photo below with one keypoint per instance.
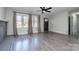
x,y
41,7
49,8
48,11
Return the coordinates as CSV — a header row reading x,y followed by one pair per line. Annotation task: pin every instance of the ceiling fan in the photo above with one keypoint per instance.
x,y
45,9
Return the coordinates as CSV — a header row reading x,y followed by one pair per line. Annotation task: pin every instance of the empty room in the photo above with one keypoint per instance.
x,y
39,29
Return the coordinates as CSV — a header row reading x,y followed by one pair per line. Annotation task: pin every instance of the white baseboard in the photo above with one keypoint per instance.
x,y
60,32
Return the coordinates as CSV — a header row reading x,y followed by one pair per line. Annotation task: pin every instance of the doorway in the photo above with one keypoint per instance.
x,y
46,24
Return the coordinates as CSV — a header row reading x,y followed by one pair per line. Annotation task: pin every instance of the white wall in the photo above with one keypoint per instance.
x,y
74,24
42,23
9,17
2,13
59,23
77,23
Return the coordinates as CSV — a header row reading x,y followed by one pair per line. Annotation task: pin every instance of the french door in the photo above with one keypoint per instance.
x,y
22,23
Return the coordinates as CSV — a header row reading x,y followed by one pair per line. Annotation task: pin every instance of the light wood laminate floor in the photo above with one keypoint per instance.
x,y
40,42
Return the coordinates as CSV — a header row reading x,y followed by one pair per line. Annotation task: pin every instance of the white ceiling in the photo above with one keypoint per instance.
x,y
33,10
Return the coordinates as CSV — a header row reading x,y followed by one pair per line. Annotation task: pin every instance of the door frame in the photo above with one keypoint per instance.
x,y
69,29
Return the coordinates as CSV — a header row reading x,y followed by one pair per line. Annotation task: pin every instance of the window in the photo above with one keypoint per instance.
x,y
35,23
19,23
